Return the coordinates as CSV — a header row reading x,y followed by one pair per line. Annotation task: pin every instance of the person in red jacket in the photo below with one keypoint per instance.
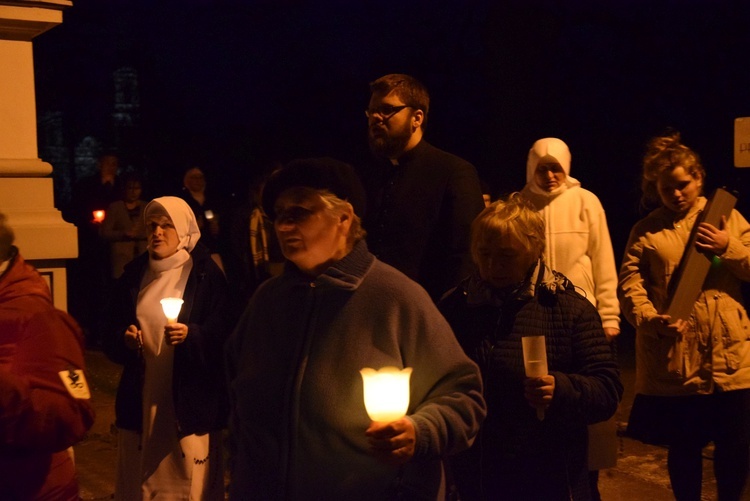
x,y
44,397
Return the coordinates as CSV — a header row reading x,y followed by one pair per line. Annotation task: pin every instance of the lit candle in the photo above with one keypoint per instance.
x,y
171,307
386,393
98,216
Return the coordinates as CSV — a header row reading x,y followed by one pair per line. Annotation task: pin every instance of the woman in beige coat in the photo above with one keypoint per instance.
x,y
692,376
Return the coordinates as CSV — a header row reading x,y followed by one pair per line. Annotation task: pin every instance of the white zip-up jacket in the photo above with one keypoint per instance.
x,y
578,244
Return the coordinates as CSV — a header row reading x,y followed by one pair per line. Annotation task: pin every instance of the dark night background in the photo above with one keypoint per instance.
x,y
232,85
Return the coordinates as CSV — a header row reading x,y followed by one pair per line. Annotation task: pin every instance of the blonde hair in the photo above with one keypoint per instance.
x,y
513,215
664,154
335,206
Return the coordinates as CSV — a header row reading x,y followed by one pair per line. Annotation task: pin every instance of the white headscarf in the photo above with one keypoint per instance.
x,y
165,277
549,149
182,217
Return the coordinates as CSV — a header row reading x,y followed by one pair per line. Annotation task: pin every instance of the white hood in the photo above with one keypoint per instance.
x,y
549,149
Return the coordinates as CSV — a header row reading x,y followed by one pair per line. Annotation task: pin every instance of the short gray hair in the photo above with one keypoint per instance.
x,y
336,205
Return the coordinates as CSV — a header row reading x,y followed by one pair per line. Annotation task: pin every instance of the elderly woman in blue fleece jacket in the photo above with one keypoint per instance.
x,y
298,426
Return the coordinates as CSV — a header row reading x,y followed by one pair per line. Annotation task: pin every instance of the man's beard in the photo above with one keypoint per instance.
x,y
390,146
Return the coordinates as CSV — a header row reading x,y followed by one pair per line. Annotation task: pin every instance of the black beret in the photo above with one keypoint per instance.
x,y
319,173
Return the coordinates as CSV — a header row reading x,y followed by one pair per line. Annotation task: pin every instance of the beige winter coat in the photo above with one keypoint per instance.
x,y
716,350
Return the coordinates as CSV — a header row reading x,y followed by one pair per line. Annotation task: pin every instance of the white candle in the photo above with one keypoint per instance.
x,y
386,393
535,360
171,307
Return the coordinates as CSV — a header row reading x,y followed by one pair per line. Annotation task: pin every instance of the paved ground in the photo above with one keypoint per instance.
x,y
640,474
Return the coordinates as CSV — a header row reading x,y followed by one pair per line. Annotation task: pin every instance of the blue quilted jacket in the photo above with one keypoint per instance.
x,y
517,456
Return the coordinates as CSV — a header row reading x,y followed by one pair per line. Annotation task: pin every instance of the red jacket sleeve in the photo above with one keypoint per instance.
x,y
40,409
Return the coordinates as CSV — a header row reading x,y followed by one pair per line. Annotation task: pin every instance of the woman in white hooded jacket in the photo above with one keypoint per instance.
x,y
579,246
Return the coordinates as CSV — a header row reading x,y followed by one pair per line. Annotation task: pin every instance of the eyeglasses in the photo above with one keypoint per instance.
x,y
386,111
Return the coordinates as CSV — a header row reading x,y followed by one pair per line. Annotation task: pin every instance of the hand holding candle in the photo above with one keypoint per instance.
x,y
393,443
391,436
535,365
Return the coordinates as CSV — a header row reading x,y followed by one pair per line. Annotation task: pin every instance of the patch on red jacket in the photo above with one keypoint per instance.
x,y
75,382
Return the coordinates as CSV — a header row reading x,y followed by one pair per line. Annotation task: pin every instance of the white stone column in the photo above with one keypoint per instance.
x,y
26,191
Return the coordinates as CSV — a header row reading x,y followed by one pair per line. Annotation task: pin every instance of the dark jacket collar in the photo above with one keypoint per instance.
x,y
540,280
347,273
408,156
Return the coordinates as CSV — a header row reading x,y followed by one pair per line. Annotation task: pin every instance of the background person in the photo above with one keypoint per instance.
x,y
299,423
692,376
171,401
577,244
44,397
577,241
207,211
255,255
94,192
516,455
123,226
91,271
420,200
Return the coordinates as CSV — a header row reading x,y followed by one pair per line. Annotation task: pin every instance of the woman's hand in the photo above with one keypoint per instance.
x,y
711,239
392,442
133,337
175,333
611,333
539,391
663,326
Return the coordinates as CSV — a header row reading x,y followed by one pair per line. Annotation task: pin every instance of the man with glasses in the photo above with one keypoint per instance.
x,y
421,200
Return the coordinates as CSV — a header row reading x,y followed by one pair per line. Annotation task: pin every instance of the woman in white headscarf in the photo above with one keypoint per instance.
x,y
577,245
171,401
